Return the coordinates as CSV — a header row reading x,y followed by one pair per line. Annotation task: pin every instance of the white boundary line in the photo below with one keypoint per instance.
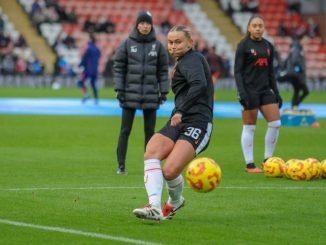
x,y
77,232
71,188
141,187
275,187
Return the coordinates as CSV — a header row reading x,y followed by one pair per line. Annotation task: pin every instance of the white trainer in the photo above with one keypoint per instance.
x,y
170,210
149,212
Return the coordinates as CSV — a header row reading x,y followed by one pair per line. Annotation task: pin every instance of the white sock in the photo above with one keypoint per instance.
x,y
271,137
153,179
175,188
247,142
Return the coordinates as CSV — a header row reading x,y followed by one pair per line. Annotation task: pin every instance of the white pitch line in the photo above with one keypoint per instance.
x,y
71,188
77,232
275,187
141,187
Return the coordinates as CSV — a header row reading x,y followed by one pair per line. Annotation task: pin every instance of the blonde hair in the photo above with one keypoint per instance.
x,y
185,29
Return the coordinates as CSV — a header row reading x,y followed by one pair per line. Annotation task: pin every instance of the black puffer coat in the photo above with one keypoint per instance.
x,y
141,71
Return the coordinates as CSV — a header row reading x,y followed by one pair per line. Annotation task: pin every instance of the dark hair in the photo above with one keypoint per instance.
x,y
251,19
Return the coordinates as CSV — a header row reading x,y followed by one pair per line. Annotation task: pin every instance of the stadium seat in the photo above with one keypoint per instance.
x,y
206,29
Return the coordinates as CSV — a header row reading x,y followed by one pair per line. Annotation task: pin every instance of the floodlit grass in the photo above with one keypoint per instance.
x,y
59,171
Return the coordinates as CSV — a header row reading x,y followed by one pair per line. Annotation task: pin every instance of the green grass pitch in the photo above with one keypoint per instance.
x,y
58,181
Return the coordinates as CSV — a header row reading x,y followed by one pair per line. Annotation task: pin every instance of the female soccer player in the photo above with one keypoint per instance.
x,y
257,90
186,134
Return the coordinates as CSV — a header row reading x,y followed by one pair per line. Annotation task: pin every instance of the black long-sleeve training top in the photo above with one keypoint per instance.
x,y
193,88
253,67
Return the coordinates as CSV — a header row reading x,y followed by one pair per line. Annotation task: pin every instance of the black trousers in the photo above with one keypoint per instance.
x,y
127,120
300,88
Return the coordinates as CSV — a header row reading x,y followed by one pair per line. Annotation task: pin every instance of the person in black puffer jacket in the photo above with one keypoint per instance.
x,y
140,79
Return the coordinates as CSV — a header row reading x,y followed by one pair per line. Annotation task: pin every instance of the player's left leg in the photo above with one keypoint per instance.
x,y
305,92
271,114
93,80
182,153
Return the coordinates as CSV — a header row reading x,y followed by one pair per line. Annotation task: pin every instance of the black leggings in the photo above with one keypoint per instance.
x,y
300,88
127,120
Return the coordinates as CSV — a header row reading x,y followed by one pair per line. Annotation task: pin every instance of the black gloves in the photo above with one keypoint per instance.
x,y
121,96
279,100
162,98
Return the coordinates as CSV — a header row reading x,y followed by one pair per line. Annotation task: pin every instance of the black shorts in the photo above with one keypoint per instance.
x,y
198,133
255,100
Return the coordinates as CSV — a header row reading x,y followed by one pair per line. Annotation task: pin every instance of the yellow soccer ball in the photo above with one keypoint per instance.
x,y
274,166
203,174
314,168
297,170
287,167
323,168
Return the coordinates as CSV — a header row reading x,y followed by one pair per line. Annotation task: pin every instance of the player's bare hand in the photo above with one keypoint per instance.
x,y
176,119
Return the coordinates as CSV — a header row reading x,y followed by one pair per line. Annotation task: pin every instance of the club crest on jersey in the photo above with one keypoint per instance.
x,y
153,51
252,51
268,52
133,49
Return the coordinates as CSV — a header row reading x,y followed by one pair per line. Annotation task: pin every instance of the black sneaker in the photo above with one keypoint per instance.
x,y
251,168
122,171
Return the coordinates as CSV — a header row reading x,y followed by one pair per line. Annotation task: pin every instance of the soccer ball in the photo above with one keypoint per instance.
x,y
286,169
297,170
314,168
323,168
203,174
273,167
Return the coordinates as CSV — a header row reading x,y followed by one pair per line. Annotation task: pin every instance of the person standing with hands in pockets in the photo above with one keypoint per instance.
x,y
141,81
257,90
187,132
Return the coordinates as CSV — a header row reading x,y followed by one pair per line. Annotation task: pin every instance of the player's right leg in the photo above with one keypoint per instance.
x,y
182,153
249,118
157,148
94,87
149,212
